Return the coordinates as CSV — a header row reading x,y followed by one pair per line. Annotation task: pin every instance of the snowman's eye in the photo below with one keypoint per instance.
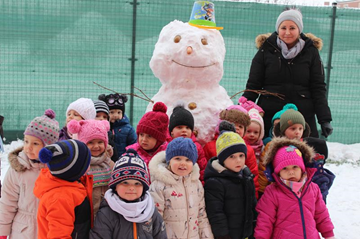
x,y
204,41
177,38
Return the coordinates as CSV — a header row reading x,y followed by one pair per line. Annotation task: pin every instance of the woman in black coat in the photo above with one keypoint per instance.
x,y
288,63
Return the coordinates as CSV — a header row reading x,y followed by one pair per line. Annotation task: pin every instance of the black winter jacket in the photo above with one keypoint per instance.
x,y
300,80
230,200
111,225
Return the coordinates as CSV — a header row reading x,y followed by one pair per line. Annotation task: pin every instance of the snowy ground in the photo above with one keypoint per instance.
x,y
344,196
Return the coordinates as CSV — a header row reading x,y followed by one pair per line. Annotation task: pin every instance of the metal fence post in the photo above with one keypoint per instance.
x,y
329,67
133,60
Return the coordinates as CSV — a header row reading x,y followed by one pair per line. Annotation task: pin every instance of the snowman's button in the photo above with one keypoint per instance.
x,y
192,105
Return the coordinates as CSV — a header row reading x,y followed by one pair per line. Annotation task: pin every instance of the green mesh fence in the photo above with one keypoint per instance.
x,y
51,51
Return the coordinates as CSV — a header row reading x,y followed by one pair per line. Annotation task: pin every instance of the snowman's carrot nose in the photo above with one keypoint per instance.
x,y
189,50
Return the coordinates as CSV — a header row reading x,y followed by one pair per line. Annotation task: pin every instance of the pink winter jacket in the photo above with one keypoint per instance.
x,y
146,156
281,214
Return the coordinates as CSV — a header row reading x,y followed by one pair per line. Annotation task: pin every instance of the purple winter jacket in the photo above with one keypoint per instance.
x,y
281,214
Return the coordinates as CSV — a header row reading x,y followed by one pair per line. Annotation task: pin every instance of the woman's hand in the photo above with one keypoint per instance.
x,y
326,129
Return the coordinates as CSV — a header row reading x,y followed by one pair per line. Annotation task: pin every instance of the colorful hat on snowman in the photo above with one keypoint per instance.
x,y
203,15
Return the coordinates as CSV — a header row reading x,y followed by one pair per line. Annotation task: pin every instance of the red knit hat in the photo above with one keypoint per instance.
x,y
155,123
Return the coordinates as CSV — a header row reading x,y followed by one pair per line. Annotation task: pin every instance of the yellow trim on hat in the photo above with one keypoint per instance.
x,y
205,27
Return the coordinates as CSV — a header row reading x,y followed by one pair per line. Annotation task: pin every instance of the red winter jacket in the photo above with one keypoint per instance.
x,y
281,214
210,151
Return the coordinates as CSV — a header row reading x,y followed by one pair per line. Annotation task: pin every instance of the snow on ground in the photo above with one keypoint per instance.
x,y
344,196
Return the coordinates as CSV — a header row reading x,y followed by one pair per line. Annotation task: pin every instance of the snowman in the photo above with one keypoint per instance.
x,y
188,60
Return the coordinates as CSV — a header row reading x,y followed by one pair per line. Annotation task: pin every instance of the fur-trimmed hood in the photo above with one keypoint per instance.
x,y
159,170
20,162
276,143
318,43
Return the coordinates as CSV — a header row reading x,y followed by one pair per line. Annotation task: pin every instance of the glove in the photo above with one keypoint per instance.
x,y
3,237
326,129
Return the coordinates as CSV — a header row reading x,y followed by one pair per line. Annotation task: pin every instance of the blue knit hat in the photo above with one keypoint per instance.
x,y
181,147
278,114
67,159
130,166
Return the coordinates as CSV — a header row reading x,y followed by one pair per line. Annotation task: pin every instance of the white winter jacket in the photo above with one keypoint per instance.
x,y
18,205
180,200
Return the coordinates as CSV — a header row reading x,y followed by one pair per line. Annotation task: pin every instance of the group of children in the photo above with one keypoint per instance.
x,y
99,178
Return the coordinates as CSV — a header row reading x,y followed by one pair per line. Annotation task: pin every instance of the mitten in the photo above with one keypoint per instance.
x,y
3,237
326,129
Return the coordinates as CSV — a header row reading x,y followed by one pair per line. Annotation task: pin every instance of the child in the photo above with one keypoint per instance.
x,y
121,132
181,124
229,187
152,130
94,134
238,116
178,192
64,208
255,133
129,210
18,205
80,109
293,196
276,119
102,113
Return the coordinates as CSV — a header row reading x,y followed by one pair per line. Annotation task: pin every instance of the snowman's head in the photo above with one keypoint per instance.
x,y
185,52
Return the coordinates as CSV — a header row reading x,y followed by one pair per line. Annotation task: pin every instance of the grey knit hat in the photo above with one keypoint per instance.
x,y
290,15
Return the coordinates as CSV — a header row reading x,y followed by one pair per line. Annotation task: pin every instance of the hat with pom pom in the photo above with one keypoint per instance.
x,y
67,159
228,142
278,114
88,130
181,116
155,123
84,106
44,127
181,147
289,118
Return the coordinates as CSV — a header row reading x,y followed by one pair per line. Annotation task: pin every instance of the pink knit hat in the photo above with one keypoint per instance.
x,y
88,130
288,155
256,117
155,123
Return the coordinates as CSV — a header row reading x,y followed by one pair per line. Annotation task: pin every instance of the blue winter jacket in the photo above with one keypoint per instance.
x,y
123,134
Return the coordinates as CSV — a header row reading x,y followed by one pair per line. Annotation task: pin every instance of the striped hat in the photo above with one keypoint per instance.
x,y
44,127
130,166
67,159
228,142
101,106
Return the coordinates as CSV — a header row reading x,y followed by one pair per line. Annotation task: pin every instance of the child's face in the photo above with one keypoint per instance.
x,y
240,129
235,162
73,115
181,165
181,131
146,141
115,114
101,116
96,146
253,132
294,132
32,146
291,173
130,189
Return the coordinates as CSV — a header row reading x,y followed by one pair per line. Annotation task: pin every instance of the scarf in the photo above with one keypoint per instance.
x,y
296,187
137,212
292,52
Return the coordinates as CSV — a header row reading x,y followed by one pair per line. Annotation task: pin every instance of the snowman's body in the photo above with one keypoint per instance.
x,y
189,63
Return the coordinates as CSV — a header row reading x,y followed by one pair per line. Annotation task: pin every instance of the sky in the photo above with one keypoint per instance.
x,y
343,201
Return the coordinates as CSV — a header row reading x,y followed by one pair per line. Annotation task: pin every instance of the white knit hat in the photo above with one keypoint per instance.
x,y
85,107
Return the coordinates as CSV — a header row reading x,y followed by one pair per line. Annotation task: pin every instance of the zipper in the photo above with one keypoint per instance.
x,y
187,207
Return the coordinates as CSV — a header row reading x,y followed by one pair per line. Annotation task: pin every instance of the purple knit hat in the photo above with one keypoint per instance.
x,y
44,127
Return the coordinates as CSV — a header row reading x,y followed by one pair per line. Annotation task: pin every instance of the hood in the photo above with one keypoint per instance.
x,y
47,182
276,143
158,170
215,169
318,43
20,162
